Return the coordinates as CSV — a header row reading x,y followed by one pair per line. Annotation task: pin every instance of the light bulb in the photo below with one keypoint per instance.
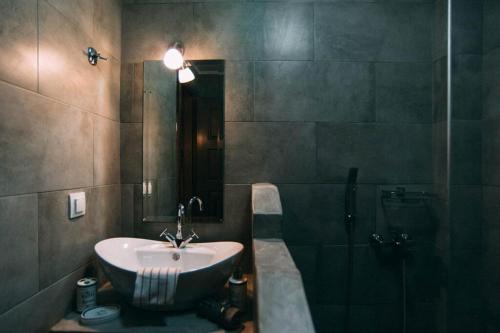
x,y
185,75
173,59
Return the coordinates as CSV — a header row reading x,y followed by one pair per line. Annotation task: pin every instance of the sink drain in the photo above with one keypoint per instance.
x,y
176,256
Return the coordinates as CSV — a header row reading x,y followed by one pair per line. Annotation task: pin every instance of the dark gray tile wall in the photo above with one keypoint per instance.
x,y
374,31
59,133
312,88
466,166
490,164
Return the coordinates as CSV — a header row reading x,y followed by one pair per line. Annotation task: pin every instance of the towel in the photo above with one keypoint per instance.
x,y
155,286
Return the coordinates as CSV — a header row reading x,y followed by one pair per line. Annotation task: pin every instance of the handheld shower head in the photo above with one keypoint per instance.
x,y
350,196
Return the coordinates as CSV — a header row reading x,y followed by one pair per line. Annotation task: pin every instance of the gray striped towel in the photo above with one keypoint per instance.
x,y
155,286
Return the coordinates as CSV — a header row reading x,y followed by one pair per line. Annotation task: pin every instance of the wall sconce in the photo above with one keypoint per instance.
x,y
93,56
185,73
173,58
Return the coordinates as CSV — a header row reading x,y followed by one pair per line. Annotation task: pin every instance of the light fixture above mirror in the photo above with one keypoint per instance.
x,y
174,60
185,73
174,57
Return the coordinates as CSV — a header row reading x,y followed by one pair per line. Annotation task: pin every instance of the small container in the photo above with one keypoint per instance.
x,y
238,290
99,314
86,293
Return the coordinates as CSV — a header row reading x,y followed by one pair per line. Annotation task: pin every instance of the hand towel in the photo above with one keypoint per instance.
x,y
155,286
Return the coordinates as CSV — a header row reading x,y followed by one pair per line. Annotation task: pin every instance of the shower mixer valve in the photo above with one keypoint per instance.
x,y
400,242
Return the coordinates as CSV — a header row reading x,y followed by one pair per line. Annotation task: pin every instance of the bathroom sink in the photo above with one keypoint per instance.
x,y
204,267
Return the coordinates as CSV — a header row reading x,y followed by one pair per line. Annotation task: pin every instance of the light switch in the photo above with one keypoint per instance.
x,y
77,204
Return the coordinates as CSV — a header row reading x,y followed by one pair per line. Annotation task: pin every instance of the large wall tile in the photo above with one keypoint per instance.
x,y
491,234
404,92
284,90
465,284
313,213
384,153
127,212
466,217
491,218
373,31
44,145
439,152
491,85
439,90
64,244
131,153
269,152
224,31
79,12
373,281
18,35
131,92
108,83
19,248
148,30
239,91
305,258
307,91
467,86
466,149
345,91
93,88
106,151
65,72
440,29
107,26
491,32
467,29
286,32
490,152
106,205
43,309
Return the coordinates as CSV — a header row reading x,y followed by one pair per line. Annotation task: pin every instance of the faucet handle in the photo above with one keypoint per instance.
x,y
168,237
194,235
164,233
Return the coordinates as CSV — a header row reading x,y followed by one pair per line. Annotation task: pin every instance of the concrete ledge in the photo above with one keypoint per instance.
x,y
267,213
266,199
280,300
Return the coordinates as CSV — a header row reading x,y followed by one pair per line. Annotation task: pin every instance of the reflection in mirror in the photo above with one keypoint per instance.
x,y
183,141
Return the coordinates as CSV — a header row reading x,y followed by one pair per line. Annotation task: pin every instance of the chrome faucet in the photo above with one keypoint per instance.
x,y
178,241
181,213
175,243
190,205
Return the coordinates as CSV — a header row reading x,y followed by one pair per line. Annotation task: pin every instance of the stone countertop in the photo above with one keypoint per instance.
x,y
138,321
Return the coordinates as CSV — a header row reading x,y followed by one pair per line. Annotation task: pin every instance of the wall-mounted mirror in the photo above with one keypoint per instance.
x,y
183,141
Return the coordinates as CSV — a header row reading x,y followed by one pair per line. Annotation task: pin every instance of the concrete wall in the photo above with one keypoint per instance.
x,y
59,133
312,88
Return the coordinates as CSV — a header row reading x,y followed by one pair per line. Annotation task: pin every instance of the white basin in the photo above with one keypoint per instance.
x,y
205,267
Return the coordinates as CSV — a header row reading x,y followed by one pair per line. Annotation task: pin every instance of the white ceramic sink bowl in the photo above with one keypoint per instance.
x,y
205,267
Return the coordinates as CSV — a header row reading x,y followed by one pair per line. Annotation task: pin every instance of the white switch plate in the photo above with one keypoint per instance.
x,y
77,204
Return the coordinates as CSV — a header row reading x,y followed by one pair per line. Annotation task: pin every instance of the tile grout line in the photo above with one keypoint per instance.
x,y
55,100
38,46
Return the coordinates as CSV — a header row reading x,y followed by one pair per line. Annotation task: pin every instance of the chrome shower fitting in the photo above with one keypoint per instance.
x,y
93,56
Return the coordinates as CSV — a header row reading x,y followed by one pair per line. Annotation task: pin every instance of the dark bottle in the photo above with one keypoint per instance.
x,y
223,314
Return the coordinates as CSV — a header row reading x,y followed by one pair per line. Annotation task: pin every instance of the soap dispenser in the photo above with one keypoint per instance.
x,y
238,289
